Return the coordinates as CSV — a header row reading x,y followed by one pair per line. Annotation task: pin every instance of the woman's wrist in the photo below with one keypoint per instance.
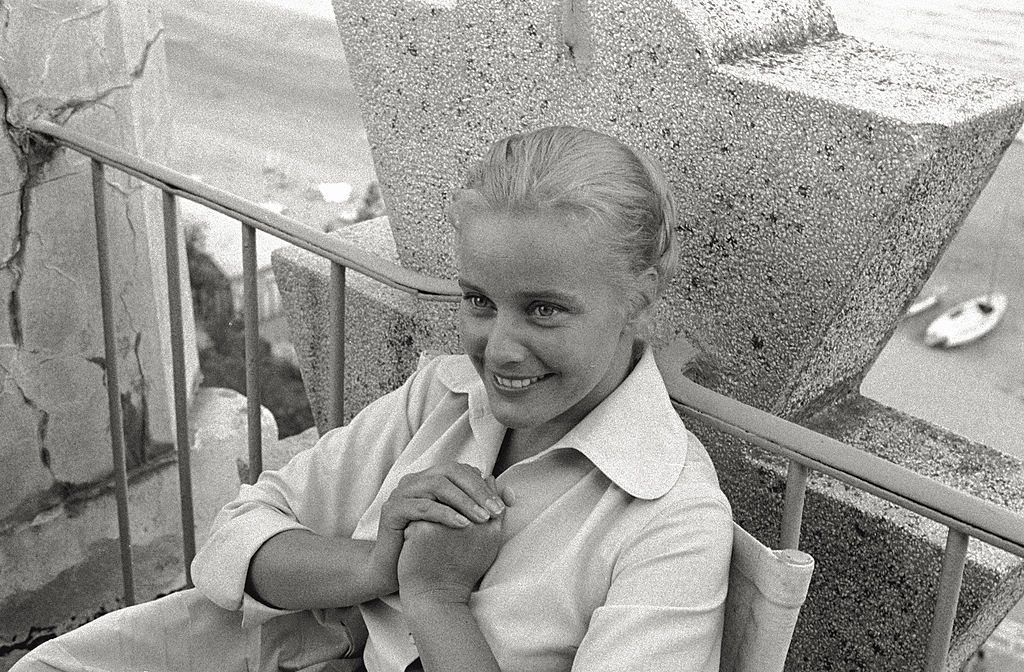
x,y
428,600
379,577
447,634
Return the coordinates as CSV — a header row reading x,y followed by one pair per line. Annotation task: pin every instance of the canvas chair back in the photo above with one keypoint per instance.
x,y
766,590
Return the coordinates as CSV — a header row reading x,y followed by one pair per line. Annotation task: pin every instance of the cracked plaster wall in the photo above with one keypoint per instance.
x,y
98,67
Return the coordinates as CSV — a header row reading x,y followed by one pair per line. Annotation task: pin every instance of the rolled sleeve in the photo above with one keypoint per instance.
x,y
324,489
222,565
665,605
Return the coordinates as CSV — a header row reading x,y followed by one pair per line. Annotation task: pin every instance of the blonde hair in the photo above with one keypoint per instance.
x,y
590,178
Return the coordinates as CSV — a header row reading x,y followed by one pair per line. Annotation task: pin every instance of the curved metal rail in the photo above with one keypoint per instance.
x,y
908,489
964,515
319,243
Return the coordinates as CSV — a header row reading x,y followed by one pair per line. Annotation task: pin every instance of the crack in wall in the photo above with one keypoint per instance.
x,y
36,636
88,14
42,425
136,433
62,112
14,263
135,407
126,194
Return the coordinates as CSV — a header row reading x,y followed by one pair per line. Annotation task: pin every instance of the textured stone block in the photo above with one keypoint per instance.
x,y
821,177
385,329
820,180
876,565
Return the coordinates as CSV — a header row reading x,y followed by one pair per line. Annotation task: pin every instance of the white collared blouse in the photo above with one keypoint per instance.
x,y
616,552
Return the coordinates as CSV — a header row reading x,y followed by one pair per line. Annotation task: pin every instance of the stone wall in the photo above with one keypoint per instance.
x,y
97,67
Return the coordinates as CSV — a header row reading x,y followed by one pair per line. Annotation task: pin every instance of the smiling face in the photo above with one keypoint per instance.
x,y
542,319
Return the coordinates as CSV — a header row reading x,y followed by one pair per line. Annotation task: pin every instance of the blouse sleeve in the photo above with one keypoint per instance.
x,y
324,489
665,605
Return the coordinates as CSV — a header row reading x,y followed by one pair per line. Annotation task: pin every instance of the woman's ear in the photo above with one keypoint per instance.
x,y
649,286
647,293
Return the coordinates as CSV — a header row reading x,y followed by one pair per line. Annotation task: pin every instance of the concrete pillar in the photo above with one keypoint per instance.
x,y
96,66
99,68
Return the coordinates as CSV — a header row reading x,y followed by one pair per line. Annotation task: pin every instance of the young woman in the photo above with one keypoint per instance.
x,y
532,504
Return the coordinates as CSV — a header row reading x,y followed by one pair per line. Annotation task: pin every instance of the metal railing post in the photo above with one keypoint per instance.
x,y
99,202
188,532
793,505
950,578
336,372
251,315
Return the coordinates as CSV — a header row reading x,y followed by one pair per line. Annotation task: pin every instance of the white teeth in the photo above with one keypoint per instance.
x,y
516,383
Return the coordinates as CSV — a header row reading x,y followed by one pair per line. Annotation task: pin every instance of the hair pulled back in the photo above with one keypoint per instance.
x,y
591,179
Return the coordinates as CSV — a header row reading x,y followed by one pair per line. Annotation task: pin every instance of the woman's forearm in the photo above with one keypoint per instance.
x,y
447,637
297,569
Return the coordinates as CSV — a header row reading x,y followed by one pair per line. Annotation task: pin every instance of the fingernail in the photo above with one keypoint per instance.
x,y
480,513
460,520
495,505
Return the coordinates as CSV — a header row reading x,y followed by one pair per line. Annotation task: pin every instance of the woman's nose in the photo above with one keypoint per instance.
x,y
504,341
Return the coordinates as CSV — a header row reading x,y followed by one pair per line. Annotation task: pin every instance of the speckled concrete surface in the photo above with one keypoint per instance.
x,y
863,160
994,580
821,178
385,329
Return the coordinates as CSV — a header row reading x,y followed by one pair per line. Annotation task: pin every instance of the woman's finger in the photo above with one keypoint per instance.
x,y
438,486
398,513
483,492
458,485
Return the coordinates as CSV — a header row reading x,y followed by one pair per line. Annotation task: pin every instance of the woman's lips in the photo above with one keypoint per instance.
x,y
518,383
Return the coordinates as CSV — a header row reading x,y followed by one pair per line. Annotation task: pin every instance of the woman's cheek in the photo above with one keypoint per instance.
x,y
472,331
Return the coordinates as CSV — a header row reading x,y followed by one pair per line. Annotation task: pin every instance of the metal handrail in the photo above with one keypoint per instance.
x,y
247,212
937,501
897,484
964,515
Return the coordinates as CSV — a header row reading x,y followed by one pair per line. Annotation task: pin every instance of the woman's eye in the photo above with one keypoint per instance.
x,y
545,310
476,301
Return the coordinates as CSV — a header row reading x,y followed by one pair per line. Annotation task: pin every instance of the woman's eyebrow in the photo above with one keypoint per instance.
x,y
555,295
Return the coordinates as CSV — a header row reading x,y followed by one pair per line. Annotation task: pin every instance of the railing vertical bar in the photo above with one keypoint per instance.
x,y
793,505
336,373
251,315
188,531
950,579
113,387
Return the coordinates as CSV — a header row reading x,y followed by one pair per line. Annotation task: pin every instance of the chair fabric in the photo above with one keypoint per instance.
x,y
766,590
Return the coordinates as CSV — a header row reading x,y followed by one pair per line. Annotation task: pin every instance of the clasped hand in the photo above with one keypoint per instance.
x,y
440,531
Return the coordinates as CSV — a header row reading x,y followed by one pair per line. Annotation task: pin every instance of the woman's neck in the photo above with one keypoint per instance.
x,y
522,444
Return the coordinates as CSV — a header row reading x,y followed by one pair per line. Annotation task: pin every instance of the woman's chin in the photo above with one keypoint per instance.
x,y
513,418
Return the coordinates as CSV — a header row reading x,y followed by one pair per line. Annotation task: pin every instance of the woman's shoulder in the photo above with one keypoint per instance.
x,y
696,493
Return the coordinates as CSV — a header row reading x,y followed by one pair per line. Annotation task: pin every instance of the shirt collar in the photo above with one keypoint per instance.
x,y
634,436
